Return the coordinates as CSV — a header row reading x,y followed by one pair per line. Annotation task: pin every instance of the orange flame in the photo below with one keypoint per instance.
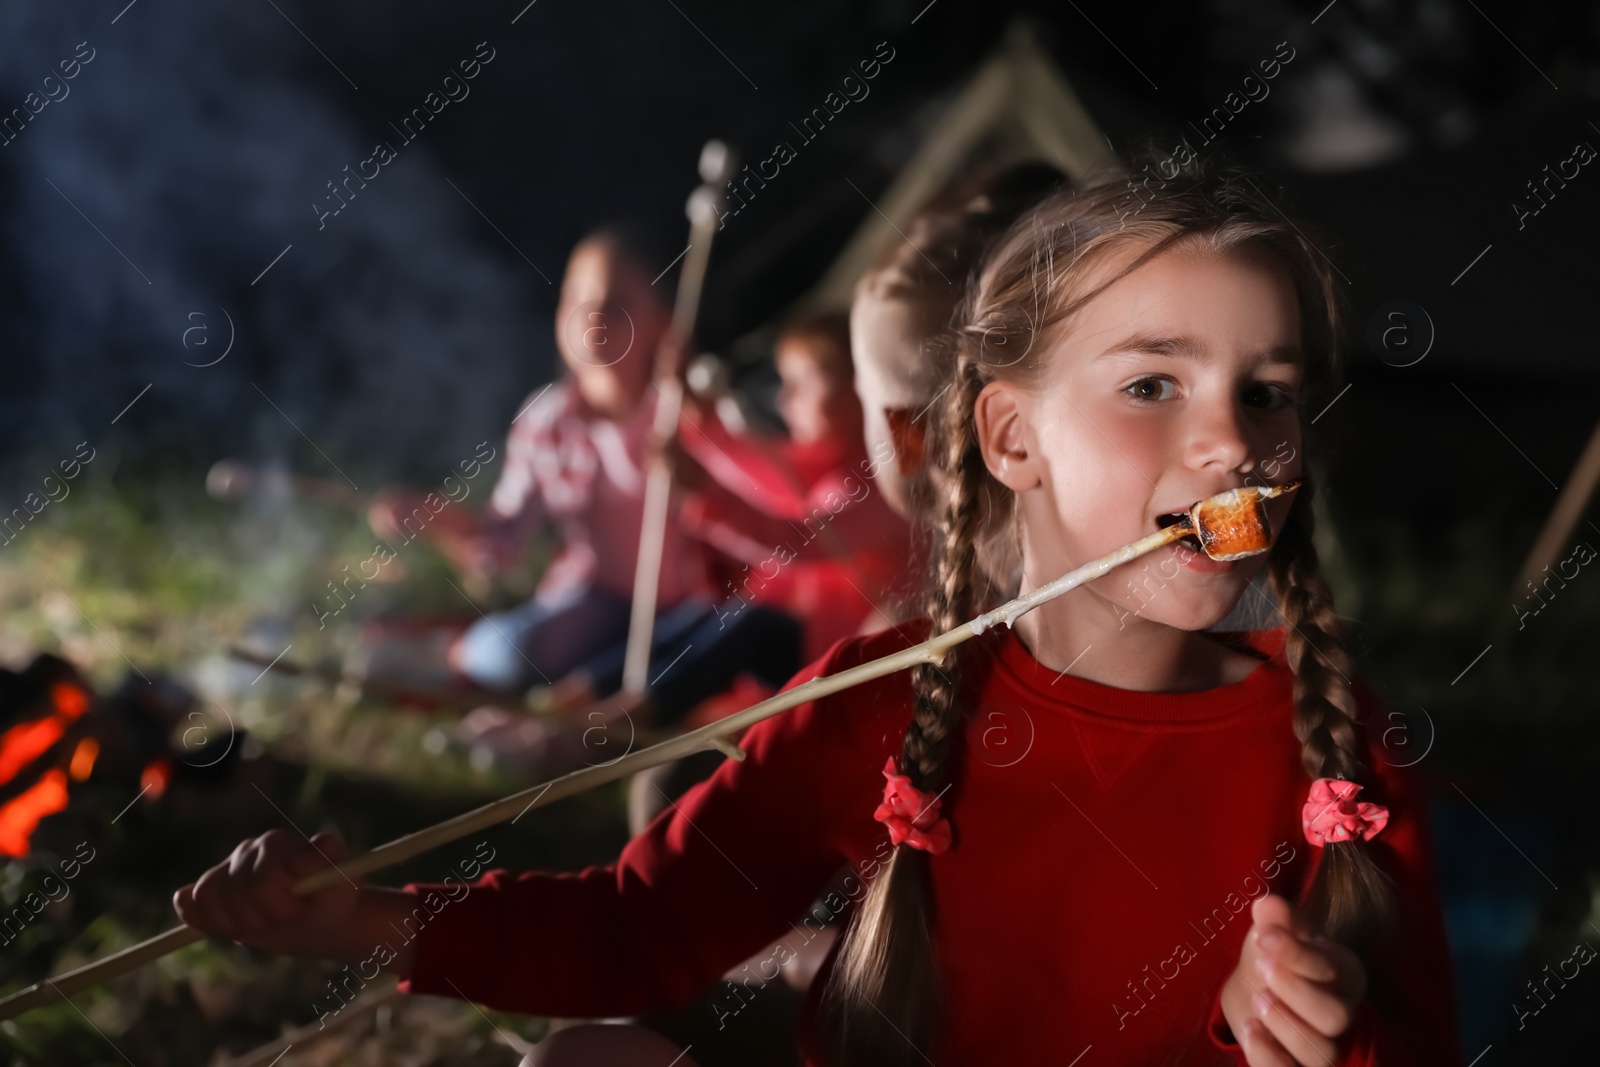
x,y
70,700
26,742
157,773
83,758
21,814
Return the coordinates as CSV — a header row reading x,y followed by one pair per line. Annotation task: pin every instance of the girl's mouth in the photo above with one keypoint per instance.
x,y
1190,540
1199,562
1188,551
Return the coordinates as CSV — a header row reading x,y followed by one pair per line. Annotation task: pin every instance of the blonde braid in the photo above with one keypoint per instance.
x,y
950,594
1351,899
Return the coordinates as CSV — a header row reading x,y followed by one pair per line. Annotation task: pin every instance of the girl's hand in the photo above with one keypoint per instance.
x,y
1293,993
246,897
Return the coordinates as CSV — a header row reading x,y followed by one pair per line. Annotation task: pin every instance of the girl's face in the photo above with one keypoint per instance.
x,y
814,403
1176,383
608,324
885,343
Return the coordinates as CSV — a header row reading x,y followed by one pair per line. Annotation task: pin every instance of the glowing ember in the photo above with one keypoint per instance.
x,y
157,773
83,758
26,742
20,815
70,700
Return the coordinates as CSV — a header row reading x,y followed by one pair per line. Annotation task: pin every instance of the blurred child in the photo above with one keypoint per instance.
x,y
802,514
575,462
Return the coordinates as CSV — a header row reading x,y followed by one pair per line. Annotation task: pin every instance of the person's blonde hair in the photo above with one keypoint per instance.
x,y
882,1000
927,270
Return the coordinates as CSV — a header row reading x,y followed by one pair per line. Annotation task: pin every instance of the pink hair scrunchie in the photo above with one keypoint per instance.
x,y
1332,814
911,815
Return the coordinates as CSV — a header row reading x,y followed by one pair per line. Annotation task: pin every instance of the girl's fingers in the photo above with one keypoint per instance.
x,y
1313,957
1352,980
331,845
183,904
1273,910
1298,1037
325,850
1285,952
1261,1049
274,893
205,912
1314,1002
284,855
248,921
235,891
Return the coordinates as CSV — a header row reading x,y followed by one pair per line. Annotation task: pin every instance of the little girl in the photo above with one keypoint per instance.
x,y
1103,836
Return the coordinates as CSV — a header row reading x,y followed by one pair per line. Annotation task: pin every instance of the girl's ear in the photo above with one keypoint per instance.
x,y
1001,424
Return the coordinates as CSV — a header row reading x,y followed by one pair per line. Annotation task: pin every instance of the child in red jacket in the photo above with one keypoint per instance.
x,y
804,514
1103,832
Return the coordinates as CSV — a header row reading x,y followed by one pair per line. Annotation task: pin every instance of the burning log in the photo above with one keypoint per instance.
x,y
43,706
55,731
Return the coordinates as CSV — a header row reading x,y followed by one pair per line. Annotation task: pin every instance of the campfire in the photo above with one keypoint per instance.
x,y
57,734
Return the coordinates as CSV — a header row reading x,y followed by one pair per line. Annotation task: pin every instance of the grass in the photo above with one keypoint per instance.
x,y
159,578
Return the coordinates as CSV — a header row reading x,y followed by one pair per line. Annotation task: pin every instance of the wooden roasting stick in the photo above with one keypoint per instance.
x,y
1230,525
463,700
1570,505
716,167
230,479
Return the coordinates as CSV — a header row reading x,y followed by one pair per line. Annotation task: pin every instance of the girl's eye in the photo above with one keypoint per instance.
x,y
1269,396
1152,389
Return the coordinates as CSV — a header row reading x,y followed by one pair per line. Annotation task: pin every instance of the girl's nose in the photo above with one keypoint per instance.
x,y
1218,438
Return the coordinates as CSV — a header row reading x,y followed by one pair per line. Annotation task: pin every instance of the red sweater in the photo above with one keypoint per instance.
x,y
1107,842
807,520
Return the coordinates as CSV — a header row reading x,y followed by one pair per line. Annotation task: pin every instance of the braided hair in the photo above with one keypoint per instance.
x,y
882,1000
1351,899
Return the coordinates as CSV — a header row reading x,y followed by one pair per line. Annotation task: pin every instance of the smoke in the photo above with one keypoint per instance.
x,y
181,160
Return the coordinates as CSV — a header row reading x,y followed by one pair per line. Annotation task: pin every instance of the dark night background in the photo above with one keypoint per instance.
x,y
200,136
